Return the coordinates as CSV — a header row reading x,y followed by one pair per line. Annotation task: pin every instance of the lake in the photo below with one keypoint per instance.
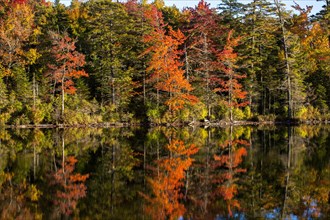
x,y
241,172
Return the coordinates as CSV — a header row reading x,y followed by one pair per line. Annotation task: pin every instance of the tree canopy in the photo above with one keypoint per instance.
x,y
147,62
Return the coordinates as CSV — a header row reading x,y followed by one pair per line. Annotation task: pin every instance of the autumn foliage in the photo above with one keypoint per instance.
x,y
165,67
19,1
167,183
67,62
230,161
16,26
159,64
226,64
72,186
66,67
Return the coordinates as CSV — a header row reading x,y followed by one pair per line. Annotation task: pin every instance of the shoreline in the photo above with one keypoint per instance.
x,y
192,124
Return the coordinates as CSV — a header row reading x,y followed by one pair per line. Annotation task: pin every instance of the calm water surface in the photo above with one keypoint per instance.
x,y
166,173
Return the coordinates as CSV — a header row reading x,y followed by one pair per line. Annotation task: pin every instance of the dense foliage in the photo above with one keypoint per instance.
x,y
101,61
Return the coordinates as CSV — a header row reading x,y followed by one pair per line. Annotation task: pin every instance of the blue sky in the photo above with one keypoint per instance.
x,y
317,6
190,3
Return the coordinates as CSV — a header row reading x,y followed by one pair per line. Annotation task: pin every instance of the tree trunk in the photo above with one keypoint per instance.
x,y
62,88
34,90
205,50
287,180
113,91
186,62
157,92
286,54
207,174
253,43
63,157
230,97
144,87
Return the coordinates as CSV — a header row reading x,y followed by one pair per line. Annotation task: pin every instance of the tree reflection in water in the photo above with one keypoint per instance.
x,y
167,181
230,157
243,172
71,186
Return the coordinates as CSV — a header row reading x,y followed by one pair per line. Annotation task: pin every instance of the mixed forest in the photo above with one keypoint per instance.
x,y
103,61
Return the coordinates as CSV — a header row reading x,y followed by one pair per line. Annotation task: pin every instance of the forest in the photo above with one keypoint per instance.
x,y
103,61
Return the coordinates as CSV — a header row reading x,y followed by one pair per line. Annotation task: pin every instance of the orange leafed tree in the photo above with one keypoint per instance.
x,y
165,65
228,187
72,186
16,26
301,22
226,64
312,38
66,65
19,1
168,181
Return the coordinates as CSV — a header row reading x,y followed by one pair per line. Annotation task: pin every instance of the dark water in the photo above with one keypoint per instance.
x,y
166,173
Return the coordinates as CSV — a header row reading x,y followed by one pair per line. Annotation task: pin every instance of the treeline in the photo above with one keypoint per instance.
x,y
102,61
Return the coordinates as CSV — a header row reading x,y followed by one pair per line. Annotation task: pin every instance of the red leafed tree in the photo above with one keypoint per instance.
x,y
132,6
226,60
202,31
301,22
72,186
230,159
165,66
66,65
168,180
19,1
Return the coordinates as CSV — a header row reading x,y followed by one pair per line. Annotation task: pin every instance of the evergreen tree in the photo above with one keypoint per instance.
x,y
257,43
231,12
289,56
108,34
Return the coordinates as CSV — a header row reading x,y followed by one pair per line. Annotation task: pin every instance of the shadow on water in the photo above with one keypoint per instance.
x,y
166,173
